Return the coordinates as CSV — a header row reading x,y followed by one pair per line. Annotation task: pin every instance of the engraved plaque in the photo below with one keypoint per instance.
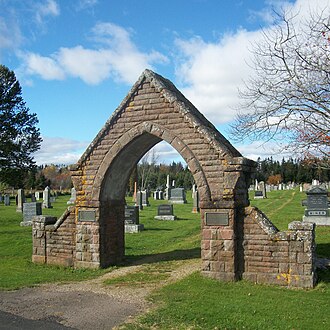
x,y
216,219
165,209
86,215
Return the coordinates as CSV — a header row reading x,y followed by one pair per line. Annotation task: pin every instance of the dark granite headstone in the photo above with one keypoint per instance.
x,y
6,200
165,209
165,212
131,215
29,211
317,210
132,224
178,196
258,194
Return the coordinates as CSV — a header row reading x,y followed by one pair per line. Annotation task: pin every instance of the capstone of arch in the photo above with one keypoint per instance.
x,y
237,241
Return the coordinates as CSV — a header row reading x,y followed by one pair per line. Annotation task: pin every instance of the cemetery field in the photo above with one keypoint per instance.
x,y
16,268
193,302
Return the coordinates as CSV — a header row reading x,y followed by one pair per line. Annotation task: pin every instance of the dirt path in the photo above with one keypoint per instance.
x,y
89,304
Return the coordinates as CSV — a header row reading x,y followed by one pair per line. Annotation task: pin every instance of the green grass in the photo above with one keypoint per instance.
x,y
149,273
16,268
169,240
194,302
200,303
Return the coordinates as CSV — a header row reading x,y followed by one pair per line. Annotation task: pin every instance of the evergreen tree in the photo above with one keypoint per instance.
x,y
19,136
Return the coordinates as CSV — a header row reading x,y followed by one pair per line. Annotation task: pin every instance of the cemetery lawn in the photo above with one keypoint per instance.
x,y
196,302
16,268
193,302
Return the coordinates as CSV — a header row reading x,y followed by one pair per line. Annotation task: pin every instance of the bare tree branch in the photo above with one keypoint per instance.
x,y
288,97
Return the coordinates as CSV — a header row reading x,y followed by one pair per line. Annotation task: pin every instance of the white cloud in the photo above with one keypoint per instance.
x,y
212,72
263,149
10,34
44,9
85,4
165,153
57,150
118,57
46,67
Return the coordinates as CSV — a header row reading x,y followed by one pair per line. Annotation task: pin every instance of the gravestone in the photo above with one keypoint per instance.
x,y
262,187
20,200
33,198
317,203
167,194
132,224
46,203
1,198
139,200
6,200
178,196
156,195
73,197
195,197
144,196
258,194
29,211
165,212
37,195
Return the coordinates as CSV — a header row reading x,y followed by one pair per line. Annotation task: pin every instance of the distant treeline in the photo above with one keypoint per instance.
x,y
290,170
153,176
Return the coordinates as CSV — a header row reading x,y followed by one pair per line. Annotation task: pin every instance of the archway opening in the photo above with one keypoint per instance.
x,y
113,199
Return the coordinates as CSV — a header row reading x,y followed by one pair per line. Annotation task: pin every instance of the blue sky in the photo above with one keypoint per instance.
x,y
77,59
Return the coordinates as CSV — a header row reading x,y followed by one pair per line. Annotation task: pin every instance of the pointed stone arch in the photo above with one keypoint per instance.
x,y
153,111
91,234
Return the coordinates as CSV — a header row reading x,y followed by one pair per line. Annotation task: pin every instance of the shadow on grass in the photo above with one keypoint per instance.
x,y
323,250
323,275
157,229
166,256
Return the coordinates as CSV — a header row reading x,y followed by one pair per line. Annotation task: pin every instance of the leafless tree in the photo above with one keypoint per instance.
x,y
288,96
147,163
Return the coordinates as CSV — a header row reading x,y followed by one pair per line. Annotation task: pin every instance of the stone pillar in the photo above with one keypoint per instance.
x,y
168,188
46,203
73,197
302,256
195,197
222,223
20,200
39,237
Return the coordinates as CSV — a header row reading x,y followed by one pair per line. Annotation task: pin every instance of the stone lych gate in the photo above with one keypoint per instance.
x,y
237,241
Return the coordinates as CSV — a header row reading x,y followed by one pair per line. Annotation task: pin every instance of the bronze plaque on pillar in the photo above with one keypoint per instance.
x,y
216,219
86,215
